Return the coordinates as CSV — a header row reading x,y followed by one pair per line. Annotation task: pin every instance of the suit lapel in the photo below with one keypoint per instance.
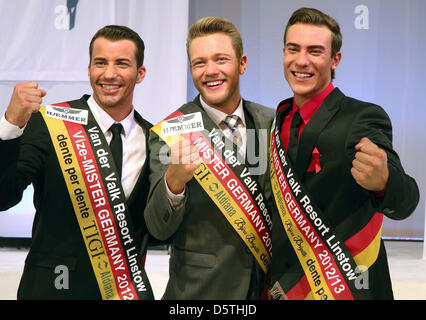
x,y
198,103
311,132
258,118
284,107
262,141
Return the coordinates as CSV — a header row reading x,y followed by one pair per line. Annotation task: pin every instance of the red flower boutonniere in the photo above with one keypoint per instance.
x,y
315,165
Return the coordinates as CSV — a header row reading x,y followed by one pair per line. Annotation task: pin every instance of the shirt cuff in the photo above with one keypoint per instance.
x,y
9,131
176,200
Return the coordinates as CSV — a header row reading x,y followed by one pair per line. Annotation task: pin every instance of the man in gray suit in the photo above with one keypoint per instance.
x,y
209,193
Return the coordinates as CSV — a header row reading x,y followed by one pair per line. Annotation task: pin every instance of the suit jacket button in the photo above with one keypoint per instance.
x,y
166,217
388,211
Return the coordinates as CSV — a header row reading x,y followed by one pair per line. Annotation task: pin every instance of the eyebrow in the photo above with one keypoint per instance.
x,y
216,55
118,60
317,46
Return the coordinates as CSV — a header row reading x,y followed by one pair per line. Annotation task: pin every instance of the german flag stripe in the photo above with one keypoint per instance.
x,y
361,240
364,247
369,255
300,291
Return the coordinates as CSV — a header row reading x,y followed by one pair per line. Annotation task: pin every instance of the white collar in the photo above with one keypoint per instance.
x,y
105,121
218,116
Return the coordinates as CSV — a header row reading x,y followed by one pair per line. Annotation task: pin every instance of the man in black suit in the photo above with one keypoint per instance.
x,y
89,234
347,176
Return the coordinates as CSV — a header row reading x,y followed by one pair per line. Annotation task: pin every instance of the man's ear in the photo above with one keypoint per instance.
x,y
141,74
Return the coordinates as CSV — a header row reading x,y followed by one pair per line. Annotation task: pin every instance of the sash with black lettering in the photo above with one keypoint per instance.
x,y
331,266
228,183
98,201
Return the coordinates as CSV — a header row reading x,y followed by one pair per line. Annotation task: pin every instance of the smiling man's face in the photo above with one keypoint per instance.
x,y
308,61
216,70
113,73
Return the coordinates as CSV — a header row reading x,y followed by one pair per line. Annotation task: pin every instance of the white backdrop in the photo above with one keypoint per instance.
x,y
383,62
48,41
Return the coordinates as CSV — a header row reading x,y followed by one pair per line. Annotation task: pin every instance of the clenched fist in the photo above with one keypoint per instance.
x,y
184,160
370,166
26,99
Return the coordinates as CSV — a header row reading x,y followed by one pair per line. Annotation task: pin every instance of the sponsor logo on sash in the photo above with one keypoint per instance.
x,y
68,114
182,124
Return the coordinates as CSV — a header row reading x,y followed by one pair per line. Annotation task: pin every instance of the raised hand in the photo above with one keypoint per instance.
x,y
370,166
26,99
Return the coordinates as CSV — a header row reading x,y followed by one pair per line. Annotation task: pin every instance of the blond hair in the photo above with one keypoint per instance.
x,y
211,25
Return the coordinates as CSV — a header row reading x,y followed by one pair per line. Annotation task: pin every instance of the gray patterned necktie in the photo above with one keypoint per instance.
x,y
231,122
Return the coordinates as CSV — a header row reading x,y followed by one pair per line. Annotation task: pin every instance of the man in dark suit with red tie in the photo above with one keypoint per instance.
x,y
341,151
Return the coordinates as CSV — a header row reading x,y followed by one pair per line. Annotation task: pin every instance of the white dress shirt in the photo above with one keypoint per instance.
x,y
9,131
133,137
134,144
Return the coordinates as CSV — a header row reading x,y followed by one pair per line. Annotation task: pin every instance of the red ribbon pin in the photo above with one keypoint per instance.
x,y
315,165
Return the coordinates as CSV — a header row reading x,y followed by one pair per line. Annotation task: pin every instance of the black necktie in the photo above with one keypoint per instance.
x,y
116,146
293,142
